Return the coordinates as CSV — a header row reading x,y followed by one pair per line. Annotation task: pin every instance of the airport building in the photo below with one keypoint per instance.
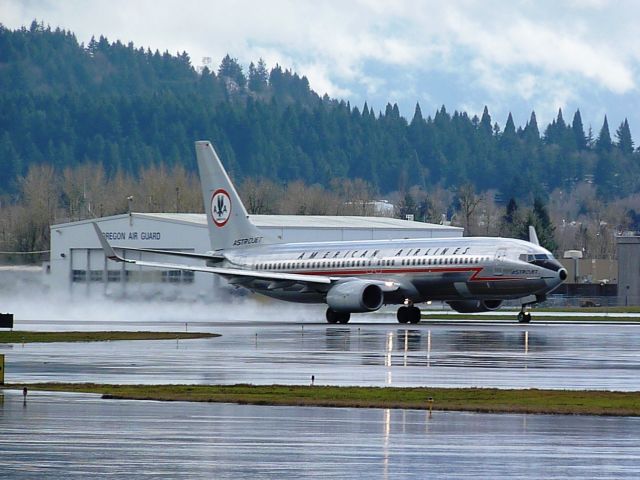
x,y
78,263
628,269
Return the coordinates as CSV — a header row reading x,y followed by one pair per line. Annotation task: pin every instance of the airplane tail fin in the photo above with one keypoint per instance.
x,y
228,223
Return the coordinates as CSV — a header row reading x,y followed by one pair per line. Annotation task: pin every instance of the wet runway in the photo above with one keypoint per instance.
x,y
503,355
82,436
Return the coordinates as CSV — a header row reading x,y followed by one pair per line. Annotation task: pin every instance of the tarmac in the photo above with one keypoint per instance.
x,y
63,436
57,435
439,354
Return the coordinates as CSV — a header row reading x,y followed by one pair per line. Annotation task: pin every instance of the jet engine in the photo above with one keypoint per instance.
x,y
474,306
355,296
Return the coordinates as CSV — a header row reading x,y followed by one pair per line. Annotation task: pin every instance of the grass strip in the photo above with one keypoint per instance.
x,y
535,317
601,309
488,400
40,337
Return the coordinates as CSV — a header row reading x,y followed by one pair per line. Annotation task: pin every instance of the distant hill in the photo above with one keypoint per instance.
x,y
66,103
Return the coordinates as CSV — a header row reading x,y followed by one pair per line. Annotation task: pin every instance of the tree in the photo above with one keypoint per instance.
x,y
408,206
531,132
485,122
468,202
509,128
258,77
603,143
231,69
623,134
578,131
544,227
417,115
512,224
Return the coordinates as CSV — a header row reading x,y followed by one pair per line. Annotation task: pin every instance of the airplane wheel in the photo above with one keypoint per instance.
x,y
344,317
403,314
332,316
524,317
414,315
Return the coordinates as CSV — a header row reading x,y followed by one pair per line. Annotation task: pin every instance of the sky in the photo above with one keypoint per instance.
x,y
513,56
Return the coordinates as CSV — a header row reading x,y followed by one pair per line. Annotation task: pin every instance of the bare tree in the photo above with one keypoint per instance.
x,y
468,204
261,196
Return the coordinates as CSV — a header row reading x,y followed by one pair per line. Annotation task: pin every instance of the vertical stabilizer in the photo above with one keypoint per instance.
x,y
227,219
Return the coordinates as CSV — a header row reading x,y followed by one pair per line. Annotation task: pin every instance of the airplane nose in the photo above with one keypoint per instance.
x,y
562,273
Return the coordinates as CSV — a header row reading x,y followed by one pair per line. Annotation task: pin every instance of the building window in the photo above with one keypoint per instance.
x,y
79,276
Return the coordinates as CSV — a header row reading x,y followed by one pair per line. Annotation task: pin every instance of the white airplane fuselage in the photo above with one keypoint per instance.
x,y
446,269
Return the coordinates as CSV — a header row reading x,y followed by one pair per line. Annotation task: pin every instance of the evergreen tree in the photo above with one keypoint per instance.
x,y
258,77
531,131
544,227
557,133
509,128
512,224
623,134
417,115
485,122
231,69
603,144
578,131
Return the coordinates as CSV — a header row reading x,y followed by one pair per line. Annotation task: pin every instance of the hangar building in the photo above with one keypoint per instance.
x,y
78,263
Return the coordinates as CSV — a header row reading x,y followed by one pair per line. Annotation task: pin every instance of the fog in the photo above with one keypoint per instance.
x,y
25,292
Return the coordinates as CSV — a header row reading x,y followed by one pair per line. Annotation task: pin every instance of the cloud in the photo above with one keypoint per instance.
x,y
465,52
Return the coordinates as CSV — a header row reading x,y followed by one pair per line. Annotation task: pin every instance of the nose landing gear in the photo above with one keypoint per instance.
x,y
524,317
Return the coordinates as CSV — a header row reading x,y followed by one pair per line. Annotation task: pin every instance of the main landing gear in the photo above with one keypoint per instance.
x,y
337,317
408,314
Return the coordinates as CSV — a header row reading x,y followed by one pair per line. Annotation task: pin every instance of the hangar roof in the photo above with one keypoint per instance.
x,y
311,221
291,221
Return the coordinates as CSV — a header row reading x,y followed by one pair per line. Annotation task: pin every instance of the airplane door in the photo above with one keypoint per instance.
x,y
498,267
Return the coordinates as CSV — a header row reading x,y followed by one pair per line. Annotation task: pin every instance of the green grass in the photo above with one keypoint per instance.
x,y
39,337
536,315
466,399
603,309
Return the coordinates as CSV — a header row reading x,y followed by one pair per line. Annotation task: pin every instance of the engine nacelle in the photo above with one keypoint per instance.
x,y
474,306
355,296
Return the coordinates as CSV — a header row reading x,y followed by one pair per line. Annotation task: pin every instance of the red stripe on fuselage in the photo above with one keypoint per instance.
x,y
372,271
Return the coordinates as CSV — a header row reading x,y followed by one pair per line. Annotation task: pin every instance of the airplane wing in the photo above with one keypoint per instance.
x,y
239,276
212,256
233,273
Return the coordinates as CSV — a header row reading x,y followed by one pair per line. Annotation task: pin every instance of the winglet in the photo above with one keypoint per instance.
x,y
533,236
108,250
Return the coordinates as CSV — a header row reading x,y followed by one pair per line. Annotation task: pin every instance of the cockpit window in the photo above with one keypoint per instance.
x,y
541,260
529,257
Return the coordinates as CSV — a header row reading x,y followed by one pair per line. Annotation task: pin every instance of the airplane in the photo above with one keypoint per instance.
x,y
471,274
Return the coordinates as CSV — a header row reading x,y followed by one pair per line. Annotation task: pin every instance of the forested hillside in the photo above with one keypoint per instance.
x,y
63,103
